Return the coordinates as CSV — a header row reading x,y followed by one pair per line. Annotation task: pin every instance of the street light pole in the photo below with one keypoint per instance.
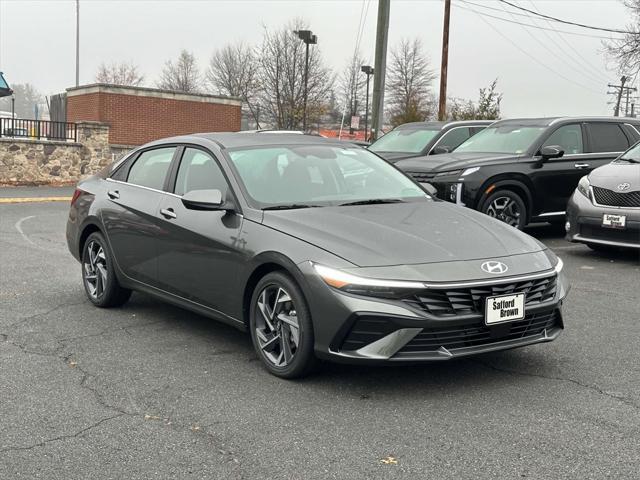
x,y
77,42
368,70
308,38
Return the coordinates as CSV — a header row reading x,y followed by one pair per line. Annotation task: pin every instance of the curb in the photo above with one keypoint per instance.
x,y
34,199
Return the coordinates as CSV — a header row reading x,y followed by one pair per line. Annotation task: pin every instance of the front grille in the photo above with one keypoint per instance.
x,y
477,334
605,196
471,300
612,234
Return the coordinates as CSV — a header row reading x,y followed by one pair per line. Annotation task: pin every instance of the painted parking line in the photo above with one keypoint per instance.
x,y
34,199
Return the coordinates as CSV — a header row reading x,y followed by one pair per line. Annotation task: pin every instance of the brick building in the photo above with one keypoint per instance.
x,y
137,115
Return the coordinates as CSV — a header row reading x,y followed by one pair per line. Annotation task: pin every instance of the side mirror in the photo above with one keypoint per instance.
x,y
431,190
203,200
441,149
551,151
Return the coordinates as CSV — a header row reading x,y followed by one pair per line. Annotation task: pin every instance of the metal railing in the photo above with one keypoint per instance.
x,y
38,129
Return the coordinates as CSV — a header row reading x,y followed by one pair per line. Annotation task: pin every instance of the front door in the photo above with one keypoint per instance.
x,y
130,218
199,250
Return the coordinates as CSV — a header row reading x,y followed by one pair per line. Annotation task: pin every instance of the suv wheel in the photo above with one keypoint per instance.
x,y
506,206
281,327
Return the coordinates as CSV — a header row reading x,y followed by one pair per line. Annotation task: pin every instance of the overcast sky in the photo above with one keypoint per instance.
x,y
541,73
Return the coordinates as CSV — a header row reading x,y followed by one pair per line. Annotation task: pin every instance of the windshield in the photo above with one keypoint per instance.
x,y
630,156
502,139
319,175
404,140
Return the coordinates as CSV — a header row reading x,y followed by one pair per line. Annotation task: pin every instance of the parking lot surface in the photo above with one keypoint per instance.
x,y
152,391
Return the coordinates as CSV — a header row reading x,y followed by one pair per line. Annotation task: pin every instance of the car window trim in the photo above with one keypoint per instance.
x,y
109,179
130,161
446,133
173,173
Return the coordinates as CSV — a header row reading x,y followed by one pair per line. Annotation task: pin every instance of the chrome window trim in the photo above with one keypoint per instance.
x,y
141,186
552,214
634,127
593,200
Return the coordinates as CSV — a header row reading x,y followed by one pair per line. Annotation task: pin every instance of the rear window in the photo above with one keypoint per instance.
x,y
607,137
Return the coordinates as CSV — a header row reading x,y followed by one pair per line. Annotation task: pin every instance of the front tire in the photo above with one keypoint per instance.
x,y
281,328
506,206
98,275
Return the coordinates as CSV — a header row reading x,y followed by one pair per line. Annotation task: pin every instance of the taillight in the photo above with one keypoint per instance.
x,y
76,195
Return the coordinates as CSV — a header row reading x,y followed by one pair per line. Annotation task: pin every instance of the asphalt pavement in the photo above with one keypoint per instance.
x,y
152,391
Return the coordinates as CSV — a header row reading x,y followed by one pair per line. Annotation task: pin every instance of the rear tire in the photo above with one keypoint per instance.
x,y
281,327
98,275
506,206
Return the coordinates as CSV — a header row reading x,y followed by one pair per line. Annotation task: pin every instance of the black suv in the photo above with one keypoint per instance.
x,y
419,139
525,170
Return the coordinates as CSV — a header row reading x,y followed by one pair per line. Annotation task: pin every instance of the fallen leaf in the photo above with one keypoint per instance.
x,y
73,364
195,428
389,461
151,417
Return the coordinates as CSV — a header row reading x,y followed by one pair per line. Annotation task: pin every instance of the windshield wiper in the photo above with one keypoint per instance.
x,y
290,206
630,160
373,201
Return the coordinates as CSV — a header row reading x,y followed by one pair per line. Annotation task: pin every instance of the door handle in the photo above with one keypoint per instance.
x,y
113,194
581,165
168,213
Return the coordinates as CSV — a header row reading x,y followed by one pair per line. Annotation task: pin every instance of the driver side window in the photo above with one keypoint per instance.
x,y
569,137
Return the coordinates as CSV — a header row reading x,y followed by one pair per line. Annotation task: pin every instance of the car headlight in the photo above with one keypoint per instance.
x,y
469,171
350,283
583,187
559,265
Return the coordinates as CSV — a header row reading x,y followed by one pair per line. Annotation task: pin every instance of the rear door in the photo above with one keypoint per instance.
x,y
606,140
130,221
200,251
556,179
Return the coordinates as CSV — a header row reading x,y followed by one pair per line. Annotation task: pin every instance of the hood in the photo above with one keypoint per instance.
x,y
613,174
403,233
452,161
393,157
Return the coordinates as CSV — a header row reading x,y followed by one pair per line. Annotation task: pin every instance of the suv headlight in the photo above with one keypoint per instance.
x,y
374,287
583,187
450,173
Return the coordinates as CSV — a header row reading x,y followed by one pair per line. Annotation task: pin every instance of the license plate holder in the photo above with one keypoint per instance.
x,y
610,220
504,308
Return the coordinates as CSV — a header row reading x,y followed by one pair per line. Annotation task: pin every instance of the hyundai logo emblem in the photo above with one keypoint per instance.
x,y
623,186
494,267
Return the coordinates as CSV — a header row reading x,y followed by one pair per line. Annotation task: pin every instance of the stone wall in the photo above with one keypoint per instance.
x,y
39,162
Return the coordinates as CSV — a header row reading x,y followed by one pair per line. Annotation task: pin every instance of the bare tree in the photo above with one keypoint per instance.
x,y
233,71
119,74
182,75
27,98
626,51
352,87
282,62
408,88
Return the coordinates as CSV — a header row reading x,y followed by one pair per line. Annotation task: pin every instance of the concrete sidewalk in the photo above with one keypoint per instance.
x,y
35,194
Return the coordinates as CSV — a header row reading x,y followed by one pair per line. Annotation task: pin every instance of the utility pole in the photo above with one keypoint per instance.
x,y
380,66
618,92
308,38
368,71
442,102
77,42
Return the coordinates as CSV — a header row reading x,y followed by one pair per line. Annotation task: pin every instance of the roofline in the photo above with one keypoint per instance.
x,y
601,119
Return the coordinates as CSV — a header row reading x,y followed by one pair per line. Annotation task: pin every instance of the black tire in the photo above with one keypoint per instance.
x,y
98,275
277,287
507,206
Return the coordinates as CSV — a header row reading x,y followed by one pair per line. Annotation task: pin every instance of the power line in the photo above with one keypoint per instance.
x,y
529,25
535,59
579,70
596,70
575,24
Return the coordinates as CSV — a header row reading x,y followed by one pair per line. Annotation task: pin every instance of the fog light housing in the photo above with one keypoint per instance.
x,y
453,191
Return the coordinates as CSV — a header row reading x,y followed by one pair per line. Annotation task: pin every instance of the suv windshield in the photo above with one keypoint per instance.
x,y
319,175
502,139
404,140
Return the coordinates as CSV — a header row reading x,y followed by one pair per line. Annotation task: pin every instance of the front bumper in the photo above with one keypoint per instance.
x,y
584,224
357,329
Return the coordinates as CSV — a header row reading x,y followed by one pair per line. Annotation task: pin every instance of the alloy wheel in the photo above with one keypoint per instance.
x,y
505,209
276,326
95,270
